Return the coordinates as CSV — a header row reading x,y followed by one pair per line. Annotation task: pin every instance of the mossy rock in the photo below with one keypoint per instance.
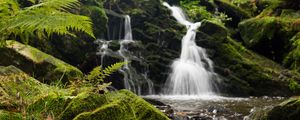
x,y
214,30
48,105
6,115
292,60
18,91
268,36
18,86
287,110
37,63
237,14
114,106
243,69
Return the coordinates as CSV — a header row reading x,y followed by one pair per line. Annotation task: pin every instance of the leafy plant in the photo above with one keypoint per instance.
x,y
293,85
42,19
97,75
197,12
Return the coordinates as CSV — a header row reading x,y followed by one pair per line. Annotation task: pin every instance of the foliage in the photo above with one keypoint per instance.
x,y
292,60
97,75
42,19
198,13
293,85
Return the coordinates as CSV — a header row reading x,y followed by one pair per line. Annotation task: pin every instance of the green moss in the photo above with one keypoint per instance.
x,y
251,73
111,111
16,84
5,115
35,62
293,85
49,105
254,30
287,110
268,35
292,60
115,105
81,103
219,32
235,13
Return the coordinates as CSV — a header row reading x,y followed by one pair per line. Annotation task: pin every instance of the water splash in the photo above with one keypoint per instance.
x,y
193,71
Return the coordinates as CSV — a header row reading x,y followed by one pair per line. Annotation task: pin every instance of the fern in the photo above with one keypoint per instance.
x,y
97,75
46,17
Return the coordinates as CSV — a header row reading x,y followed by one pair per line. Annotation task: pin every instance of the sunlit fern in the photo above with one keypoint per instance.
x,y
44,18
98,74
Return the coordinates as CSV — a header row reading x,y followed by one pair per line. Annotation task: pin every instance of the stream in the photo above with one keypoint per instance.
x,y
210,107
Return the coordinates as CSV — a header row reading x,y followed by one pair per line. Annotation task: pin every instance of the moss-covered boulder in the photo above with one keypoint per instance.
x,y
287,110
236,13
48,105
268,36
37,63
114,106
18,91
35,100
18,87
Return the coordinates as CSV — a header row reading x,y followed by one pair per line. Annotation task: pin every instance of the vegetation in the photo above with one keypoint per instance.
x,y
97,75
198,13
41,19
49,68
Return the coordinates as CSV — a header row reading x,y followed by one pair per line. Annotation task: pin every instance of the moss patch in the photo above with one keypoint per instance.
x,y
5,115
268,36
287,110
115,105
38,64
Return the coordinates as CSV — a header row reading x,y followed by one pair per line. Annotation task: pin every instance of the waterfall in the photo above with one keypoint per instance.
x,y
192,73
131,77
102,48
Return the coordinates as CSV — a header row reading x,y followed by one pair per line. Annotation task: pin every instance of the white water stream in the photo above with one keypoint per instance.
x,y
192,73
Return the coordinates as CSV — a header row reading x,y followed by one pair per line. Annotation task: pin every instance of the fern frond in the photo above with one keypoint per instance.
x,y
97,75
41,21
113,68
47,17
8,8
62,5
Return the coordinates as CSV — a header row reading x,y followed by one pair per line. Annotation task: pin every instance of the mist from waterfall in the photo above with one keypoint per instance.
x,y
193,72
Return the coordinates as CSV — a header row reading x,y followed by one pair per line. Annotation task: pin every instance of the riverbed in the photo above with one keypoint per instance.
x,y
209,107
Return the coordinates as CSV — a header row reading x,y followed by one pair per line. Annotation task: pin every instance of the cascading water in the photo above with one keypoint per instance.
x,y
136,81
131,80
103,48
193,71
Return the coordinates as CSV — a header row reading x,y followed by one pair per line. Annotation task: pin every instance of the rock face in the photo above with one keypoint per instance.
x,y
21,93
37,63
